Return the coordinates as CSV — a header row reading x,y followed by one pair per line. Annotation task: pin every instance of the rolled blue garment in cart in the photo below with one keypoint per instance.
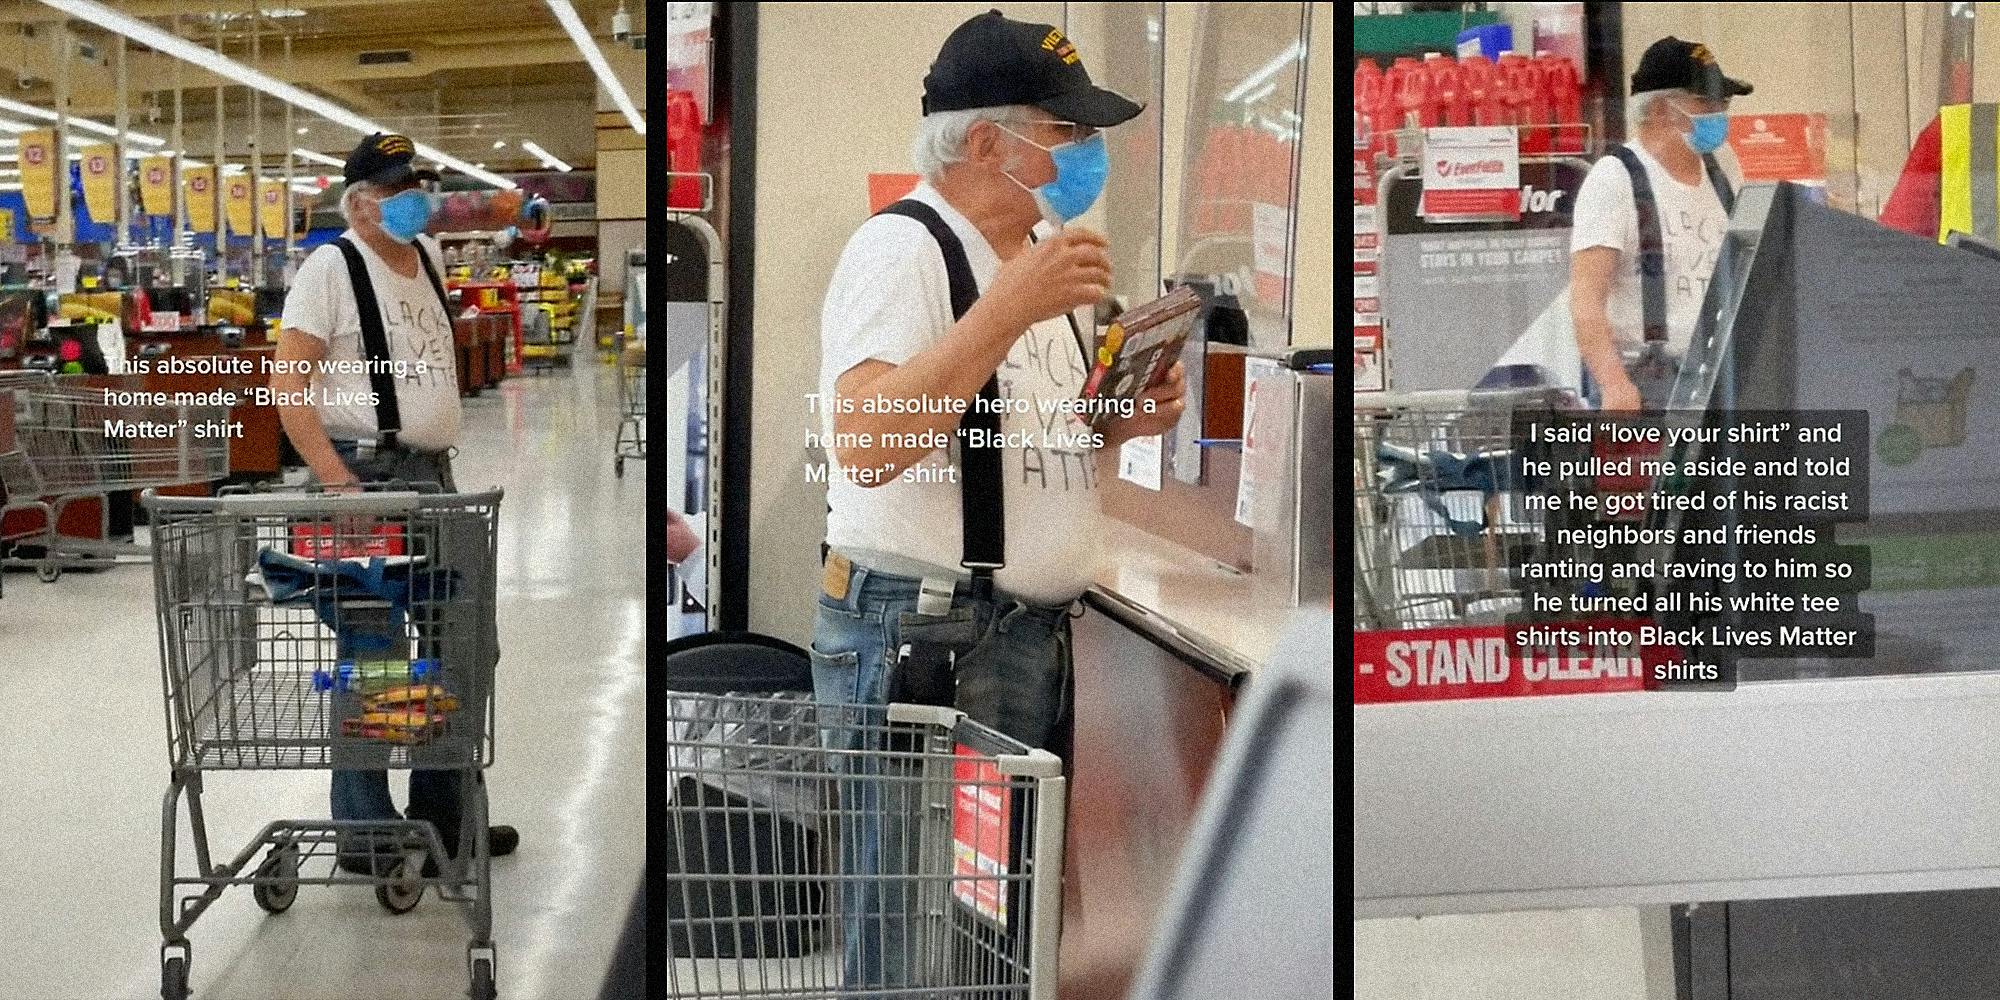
x,y
1434,473
329,583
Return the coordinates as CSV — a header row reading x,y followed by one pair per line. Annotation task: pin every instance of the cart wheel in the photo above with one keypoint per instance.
x,y
618,467
482,980
48,572
283,863
399,895
174,979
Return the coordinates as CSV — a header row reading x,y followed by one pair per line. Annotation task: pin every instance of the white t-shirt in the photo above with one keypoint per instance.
x,y
888,300
321,304
1692,227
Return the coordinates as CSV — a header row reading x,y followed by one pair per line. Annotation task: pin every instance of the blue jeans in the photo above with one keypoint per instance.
x,y
1024,690
435,795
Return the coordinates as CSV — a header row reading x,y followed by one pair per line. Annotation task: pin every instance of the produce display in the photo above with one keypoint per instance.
x,y
233,307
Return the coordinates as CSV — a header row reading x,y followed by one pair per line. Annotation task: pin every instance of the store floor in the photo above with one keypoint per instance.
x,y
83,759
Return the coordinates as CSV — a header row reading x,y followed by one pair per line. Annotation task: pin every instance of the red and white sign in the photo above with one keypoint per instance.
x,y
1471,174
1449,664
1779,147
321,542
980,811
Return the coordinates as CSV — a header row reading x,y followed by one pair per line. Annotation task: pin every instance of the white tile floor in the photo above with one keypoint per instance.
x,y
83,758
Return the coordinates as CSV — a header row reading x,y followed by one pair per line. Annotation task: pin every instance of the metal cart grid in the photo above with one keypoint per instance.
x,y
319,632
957,894
65,452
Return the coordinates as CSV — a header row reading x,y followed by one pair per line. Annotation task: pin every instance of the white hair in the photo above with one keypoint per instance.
x,y
940,140
1639,107
347,200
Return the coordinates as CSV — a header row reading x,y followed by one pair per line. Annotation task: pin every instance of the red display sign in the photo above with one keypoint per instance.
x,y
1449,664
325,541
1788,147
980,840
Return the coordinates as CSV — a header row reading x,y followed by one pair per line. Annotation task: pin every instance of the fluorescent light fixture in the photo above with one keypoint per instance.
x,y
499,144
548,159
1297,50
180,48
307,154
591,54
47,115
302,130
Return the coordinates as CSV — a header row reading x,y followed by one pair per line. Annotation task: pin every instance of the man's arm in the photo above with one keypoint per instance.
x,y
1591,271
1047,280
301,352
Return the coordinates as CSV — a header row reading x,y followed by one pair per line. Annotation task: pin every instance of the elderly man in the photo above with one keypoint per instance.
x,y
374,295
1661,198
952,573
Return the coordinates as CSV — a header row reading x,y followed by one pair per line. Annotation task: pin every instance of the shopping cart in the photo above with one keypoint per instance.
x,y
1438,531
328,632
631,441
857,851
82,437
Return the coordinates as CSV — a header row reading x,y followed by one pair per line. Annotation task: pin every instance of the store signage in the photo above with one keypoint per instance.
x,y
1471,174
1454,295
981,811
38,172
100,181
1772,148
156,185
237,202
271,208
1481,661
200,184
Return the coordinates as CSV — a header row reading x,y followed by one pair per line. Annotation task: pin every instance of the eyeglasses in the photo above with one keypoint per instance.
x,y
1075,131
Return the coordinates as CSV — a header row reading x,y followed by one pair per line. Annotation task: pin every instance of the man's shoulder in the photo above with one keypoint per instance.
x,y
890,244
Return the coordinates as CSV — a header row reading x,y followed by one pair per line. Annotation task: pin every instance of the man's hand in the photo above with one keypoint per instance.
x,y
1057,276
1167,405
1621,396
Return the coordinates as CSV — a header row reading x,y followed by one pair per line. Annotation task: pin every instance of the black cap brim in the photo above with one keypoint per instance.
x,y
400,173
1092,106
1715,86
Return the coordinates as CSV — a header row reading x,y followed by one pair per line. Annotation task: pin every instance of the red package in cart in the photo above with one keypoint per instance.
x,y
321,542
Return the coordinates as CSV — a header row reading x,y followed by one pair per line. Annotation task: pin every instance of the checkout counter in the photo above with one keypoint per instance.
x,y
1830,819
1176,626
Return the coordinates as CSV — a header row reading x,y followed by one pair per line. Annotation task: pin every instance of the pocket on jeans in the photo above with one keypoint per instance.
x,y
835,675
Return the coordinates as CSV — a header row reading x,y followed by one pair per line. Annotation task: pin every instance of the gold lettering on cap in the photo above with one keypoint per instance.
x,y
1050,40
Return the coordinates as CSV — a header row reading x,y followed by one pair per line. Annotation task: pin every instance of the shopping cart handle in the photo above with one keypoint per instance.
x,y
309,504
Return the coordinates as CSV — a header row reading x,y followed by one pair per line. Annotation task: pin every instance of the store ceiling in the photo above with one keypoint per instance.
x,y
454,74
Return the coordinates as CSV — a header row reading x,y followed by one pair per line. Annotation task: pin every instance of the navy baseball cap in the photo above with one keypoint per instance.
x,y
990,61
385,158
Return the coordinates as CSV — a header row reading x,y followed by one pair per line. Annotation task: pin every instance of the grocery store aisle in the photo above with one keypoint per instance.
x,y
83,759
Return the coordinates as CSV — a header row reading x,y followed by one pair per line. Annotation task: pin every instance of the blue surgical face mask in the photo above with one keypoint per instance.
x,y
406,213
1709,133
1081,169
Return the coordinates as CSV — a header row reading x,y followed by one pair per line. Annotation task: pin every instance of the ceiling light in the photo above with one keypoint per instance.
x,y
481,166
302,130
548,159
34,111
282,12
592,55
180,48
307,154
1297,50
499,144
